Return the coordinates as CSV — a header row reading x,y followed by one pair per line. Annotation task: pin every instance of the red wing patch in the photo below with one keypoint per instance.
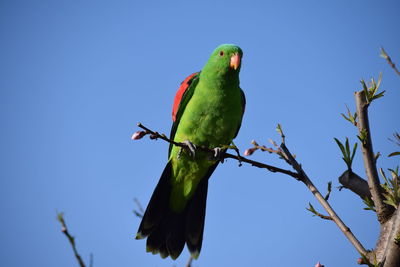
x,y
178,97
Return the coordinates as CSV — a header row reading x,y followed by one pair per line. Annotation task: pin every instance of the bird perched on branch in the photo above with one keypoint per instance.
x,y
207,111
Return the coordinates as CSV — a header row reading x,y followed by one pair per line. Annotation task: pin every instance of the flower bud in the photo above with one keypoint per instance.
x,y
249,151
138,135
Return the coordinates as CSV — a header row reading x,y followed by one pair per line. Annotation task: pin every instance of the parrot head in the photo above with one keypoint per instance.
x,y
225,59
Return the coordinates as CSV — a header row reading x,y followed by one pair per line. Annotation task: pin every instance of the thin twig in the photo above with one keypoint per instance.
x,y
304,178
316,213
71,239
383,212
156,135
236,149
189,263
322,216
389,60
139,212
139,205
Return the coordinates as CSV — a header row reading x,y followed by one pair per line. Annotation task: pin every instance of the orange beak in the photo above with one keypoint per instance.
x,y
235,61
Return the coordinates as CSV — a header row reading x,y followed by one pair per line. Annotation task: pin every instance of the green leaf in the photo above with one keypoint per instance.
x,y
371,91
378,95
383,174
279,129
311,209
340,146
395,172
369,203
354,152
329,190
384,54
391,187
346,118
377,155
348,155
60,217
397,240
397,153
363,137
364,85
390,202
350,117
379,80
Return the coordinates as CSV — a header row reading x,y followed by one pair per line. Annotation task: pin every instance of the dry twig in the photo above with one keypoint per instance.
x,y
389,60
140,210
332,214
71,239
189,263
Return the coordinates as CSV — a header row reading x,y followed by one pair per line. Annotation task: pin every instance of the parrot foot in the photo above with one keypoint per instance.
x,y
218,154
191,147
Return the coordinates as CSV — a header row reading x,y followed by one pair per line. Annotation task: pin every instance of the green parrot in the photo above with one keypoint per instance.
x,y
207,111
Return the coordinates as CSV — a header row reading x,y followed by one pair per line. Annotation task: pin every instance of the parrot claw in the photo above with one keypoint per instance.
x,y
218,154
191,147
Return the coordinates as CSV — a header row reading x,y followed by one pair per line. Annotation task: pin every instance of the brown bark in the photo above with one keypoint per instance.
x,y
383,211
355,183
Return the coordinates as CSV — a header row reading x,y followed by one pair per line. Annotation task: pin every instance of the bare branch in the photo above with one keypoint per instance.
x,y
304,178
316,213
383,211
389,60
189,263
71,239
139,213
156,135
236,149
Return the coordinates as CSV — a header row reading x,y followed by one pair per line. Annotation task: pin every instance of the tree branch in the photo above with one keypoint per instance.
x,y
304,178
316,213
383,211
156,135
71,239
389,60
139,213
189,262
392,252
355,183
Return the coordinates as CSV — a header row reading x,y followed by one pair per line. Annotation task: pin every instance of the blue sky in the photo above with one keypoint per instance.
x,y
76,77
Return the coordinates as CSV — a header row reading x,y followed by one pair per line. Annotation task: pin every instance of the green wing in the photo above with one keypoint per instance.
x,y
243,108
182,105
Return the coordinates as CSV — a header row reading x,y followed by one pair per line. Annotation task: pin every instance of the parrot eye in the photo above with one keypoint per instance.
x,y
221,53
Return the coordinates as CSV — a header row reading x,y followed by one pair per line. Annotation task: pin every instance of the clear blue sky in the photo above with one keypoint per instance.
x,y
76,77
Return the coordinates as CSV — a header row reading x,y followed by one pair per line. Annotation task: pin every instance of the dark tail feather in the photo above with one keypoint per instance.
x,y
196,212
157,206
167,231
168,238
